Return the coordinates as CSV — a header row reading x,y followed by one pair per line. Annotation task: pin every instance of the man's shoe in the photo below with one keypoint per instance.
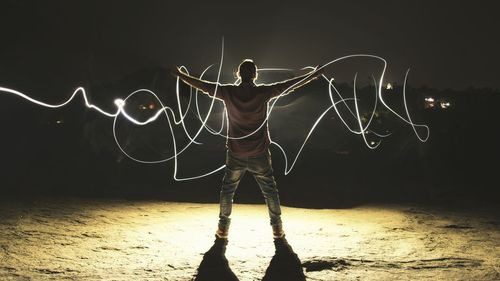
x,y
278,232
221,233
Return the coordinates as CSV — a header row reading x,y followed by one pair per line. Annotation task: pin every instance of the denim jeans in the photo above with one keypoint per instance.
x,y
261,169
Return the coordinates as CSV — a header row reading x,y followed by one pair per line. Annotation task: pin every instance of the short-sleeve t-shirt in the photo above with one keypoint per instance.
x,y
246,106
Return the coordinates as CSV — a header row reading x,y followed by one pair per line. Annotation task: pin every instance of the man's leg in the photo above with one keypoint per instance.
x,y
232,176
262,171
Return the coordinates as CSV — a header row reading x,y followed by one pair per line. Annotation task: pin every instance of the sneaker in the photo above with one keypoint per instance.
x,y
278,232
221,233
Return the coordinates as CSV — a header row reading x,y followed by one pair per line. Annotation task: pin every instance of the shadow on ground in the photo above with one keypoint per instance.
x,y
285,264
214,265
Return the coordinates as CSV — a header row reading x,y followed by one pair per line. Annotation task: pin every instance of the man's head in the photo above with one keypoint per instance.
x,y
247,71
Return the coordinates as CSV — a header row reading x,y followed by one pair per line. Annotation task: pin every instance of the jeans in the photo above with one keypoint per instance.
x,y
261,169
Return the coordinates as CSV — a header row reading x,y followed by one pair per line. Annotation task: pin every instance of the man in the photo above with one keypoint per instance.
x,y
248,137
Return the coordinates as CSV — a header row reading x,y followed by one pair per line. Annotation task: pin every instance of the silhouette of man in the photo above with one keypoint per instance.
x,y
248,142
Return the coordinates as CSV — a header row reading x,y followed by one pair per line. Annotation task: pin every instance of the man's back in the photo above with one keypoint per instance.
x,y
246,106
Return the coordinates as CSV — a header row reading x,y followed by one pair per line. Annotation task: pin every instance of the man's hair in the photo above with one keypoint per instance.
x,y
247,70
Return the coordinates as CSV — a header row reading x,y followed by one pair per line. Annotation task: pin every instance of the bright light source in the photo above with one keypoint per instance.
x,y
445,105
429,102
389,86
120,103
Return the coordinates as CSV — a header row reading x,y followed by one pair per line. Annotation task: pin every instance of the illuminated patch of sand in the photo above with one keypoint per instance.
x,y
127,240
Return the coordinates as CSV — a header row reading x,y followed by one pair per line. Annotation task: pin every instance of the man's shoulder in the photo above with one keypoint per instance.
x,y
227,86
222,89
241,88
269,88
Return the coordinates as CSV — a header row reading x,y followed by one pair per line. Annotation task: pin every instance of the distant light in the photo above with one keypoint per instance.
x,y
151,106
372,143
59,121
445,105
429,102
389,86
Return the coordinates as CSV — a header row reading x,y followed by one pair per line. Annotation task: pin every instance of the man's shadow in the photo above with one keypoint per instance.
x,y
285,264
214,266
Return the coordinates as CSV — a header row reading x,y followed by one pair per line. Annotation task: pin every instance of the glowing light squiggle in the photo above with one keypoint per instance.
x,y
361,130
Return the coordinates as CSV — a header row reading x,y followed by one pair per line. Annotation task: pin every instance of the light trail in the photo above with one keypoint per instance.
x,y
170,114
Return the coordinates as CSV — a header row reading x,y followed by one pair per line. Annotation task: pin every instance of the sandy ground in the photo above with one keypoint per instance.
x,y
82,239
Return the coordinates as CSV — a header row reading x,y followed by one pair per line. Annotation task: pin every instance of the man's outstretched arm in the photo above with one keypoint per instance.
x,y
202,85
288,86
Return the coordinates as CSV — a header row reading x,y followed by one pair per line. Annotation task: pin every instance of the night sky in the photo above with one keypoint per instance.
x,y
59,45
